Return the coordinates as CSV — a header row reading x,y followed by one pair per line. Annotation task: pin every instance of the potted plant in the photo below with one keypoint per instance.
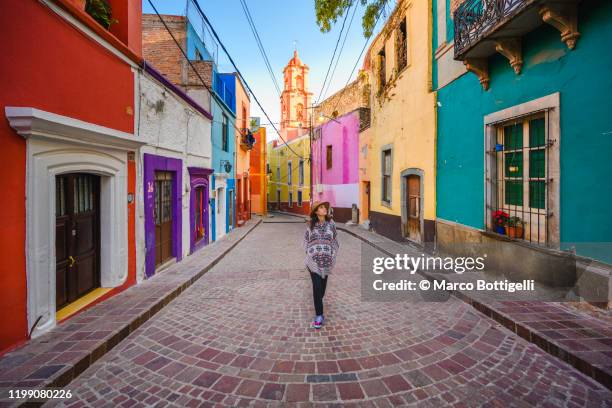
x,y
101,11
500,218
514,227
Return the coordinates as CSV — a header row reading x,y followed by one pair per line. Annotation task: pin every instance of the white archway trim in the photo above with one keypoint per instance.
x,y
56,145
30,122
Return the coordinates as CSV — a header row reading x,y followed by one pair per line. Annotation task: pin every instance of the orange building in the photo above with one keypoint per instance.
x,y
244,145
258,176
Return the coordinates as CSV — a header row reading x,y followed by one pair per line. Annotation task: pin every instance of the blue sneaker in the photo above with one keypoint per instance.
x,y
318,322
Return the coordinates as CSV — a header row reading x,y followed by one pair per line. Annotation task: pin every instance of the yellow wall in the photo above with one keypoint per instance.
x,y
404,115
281,155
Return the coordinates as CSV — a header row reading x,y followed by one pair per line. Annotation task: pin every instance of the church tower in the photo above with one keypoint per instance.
x,y
295,99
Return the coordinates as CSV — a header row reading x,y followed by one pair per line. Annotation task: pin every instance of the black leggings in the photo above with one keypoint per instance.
x,y
318,291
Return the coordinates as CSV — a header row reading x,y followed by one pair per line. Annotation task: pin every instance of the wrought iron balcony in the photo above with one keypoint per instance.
x,y
484,27
478,20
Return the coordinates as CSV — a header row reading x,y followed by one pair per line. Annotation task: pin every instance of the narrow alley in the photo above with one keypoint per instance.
x,y
240,336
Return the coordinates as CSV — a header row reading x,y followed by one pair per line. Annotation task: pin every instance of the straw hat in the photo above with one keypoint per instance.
x,y
317,204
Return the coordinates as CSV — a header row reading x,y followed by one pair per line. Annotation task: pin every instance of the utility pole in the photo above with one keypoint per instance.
x,y
310,135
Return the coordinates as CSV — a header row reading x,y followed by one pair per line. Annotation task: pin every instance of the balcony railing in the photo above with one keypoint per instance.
x,y
476,19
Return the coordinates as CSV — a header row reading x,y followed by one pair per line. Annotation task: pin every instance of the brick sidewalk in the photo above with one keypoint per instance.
x,y
59,356
576,333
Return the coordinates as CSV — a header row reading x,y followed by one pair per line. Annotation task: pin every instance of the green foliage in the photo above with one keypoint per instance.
x,y
100,11
329,11
515,222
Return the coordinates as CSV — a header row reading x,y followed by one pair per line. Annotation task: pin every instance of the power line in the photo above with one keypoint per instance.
x,y
187,58
333,56
240,73
260,45
340,53
380,12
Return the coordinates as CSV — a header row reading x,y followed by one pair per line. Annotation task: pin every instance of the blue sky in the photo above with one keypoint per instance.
x,y
279,24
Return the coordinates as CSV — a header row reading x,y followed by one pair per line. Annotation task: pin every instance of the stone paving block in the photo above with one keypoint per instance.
x,y
562,329
256,306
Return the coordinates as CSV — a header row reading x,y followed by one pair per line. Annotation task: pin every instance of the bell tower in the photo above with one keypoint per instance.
x,y
295,99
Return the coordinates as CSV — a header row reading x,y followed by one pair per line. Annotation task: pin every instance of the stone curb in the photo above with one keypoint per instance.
x,y
554,349
64,376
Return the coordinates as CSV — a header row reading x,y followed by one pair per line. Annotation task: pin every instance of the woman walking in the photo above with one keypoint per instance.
x,y
321,245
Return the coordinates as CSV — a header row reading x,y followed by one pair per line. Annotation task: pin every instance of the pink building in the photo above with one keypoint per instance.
x,y
335,158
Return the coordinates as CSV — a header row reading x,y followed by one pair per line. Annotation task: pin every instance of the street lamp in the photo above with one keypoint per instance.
x,y
322,117
227,165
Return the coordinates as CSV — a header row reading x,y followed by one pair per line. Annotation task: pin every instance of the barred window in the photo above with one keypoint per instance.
x,y
520,167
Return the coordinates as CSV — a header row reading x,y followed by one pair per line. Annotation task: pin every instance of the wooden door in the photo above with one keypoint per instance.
x,y
367,191
77,236
163,216
231,200
201,214
413,202
239,202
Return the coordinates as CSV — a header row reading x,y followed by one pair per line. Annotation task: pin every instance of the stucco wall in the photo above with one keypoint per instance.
x,y
339,184
279,156
403,116
582,77
171,128
257,173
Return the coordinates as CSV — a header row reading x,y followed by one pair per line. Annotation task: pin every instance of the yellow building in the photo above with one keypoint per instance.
x,y
399,148
289,175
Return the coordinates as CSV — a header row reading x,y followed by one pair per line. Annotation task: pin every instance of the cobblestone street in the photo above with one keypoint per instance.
x,y
241,336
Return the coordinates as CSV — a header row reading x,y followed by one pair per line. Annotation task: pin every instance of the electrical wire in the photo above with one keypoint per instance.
x,y
333,56
380,12
262,50
188,60
197,4
340,53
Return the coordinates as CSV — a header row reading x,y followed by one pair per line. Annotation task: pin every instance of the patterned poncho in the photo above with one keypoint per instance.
x,y
321,247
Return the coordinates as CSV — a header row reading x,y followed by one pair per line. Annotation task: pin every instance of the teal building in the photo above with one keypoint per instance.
x,y
524,129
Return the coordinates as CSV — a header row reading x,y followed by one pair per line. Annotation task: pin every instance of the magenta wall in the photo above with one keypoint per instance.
x,y
340,183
